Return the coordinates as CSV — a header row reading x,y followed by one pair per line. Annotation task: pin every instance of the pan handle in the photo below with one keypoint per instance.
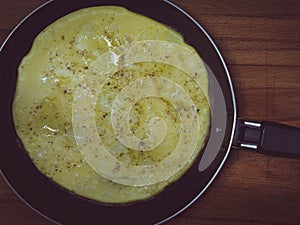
x,y
268,138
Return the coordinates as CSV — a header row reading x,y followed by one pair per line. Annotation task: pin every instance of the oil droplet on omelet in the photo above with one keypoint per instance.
x,y
48,77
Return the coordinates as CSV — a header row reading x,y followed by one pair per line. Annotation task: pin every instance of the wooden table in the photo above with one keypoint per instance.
x,y
260,40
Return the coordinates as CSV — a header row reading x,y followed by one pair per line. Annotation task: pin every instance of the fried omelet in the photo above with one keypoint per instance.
x,y
112,135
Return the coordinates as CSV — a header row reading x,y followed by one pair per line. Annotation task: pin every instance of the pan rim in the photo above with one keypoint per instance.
x,y
231,92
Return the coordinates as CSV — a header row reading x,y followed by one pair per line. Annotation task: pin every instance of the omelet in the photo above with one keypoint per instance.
x,y
112,105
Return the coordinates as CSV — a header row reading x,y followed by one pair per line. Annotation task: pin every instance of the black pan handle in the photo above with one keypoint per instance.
x,y
268,138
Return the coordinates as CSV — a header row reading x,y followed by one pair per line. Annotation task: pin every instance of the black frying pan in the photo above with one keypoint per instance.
x,y
64,207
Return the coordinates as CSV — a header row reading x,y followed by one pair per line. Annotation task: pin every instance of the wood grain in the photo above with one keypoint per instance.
x,y
260,41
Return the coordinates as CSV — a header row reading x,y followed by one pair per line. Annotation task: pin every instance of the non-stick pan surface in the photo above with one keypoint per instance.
x,y
64,207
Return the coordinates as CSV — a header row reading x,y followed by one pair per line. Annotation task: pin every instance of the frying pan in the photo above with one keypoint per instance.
x,y
64,207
